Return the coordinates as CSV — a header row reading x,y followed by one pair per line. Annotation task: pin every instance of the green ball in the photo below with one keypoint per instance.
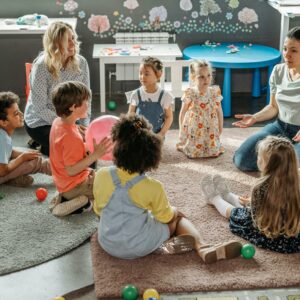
x,y
111,105
248,251
130,292
2,195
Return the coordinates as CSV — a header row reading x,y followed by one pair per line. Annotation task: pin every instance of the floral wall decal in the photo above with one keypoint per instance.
x,y
98,24
209,7
203,16
247,16
186,4
131,4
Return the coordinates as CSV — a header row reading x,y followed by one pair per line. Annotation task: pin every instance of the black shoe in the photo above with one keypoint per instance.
x,y
33,144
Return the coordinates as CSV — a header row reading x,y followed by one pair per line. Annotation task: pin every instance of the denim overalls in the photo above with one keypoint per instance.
x,y
152,111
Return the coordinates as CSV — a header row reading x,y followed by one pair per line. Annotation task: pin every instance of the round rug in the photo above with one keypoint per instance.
x,y
30,234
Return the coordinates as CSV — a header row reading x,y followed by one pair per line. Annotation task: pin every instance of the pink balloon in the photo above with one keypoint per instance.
x,y
99,129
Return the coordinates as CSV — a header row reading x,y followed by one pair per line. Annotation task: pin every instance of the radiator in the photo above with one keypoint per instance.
x,y
131,71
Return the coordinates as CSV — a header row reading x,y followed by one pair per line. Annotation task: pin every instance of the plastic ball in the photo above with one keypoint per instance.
x,y
41,194
130,292
151,294
99,129
59,298
248,251
111,105
2,195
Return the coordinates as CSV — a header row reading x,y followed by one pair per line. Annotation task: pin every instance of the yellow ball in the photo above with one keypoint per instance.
x,y
59,298
151,294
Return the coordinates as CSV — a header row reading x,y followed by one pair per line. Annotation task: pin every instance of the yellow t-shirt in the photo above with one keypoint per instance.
x,y
148,194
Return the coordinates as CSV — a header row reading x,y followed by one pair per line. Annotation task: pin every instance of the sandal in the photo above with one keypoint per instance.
x,y
177,245
213,253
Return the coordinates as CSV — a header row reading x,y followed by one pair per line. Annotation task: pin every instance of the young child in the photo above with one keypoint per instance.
x,y
150,100
201,115
15,166
68,156
136,216
273,219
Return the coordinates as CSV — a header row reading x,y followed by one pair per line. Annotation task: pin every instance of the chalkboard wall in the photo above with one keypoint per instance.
x,y
193,22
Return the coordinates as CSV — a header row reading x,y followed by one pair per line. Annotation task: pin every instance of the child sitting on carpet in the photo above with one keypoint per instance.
x,y
136,216
15,166
273,219
201,115
68,156
150,100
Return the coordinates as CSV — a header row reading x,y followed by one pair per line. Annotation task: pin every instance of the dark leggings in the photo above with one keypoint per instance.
x,y
41,135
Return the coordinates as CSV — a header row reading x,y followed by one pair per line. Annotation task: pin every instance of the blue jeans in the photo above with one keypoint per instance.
x,y
245,158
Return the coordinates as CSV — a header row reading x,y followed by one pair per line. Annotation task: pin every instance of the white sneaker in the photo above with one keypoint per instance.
x,y
208,188
220,185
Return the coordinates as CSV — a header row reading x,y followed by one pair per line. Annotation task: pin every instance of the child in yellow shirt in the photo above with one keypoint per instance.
x,y
136,216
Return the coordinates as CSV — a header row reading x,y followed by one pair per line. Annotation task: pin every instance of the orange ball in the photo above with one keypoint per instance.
x,y
41,194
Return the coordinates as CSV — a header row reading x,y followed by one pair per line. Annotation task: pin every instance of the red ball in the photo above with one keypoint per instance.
x,y
41,194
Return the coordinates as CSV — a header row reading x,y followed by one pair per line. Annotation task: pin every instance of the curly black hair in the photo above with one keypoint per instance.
x,y
137,148
7,99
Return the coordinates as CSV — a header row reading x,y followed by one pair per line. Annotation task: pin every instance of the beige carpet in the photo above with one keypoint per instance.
x,y
186,272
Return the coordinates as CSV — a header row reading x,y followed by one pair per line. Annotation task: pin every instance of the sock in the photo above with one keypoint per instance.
x,y
221,205
233,199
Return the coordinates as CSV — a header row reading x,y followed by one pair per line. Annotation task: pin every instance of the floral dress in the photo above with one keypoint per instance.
x,y
199,135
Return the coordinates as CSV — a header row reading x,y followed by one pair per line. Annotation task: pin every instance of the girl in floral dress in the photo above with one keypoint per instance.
x,y
201,115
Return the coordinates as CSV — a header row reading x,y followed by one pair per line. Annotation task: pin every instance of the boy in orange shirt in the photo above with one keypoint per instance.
x,y
68,155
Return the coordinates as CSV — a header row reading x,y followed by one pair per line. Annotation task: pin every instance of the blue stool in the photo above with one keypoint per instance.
x,y
248,57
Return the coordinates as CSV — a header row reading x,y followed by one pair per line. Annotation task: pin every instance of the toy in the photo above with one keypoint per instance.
x,y
41,194
59,298
99,129
248,251
111,105
151,294
2,195
130,292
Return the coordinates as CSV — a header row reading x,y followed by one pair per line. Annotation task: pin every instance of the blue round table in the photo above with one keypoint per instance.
x,y
248,57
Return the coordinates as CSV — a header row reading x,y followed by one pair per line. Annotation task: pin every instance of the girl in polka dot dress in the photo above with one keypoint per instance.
x,y
201,115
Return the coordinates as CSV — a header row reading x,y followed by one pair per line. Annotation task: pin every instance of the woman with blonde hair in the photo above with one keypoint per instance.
x,y
272,221
59,62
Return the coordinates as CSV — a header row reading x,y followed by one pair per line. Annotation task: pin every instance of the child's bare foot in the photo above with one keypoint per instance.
x,y
213,253
179,147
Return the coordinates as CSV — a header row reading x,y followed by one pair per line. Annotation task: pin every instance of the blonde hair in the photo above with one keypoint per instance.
x,y
277,210
54,42
198,64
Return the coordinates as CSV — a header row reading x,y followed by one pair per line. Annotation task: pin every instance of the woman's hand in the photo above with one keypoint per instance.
x,y
247,120
296,138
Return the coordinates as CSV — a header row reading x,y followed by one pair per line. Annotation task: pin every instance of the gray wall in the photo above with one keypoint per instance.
x,y
18,49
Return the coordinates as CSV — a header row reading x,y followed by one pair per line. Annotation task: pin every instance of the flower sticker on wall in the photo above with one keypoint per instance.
x,y
247,16
158,13
98,23
186,5
70,6
233,4
131,4
209,7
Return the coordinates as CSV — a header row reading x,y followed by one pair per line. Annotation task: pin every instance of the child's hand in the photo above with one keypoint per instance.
x,y
244,200
104,146
82,130
30,155
296,138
